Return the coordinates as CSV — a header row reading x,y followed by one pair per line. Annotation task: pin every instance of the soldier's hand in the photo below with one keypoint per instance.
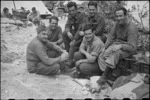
x,y
78,63
70,36
64,56
64,51
72,42
81,33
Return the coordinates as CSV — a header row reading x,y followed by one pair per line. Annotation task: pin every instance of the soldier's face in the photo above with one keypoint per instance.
x,y
54,23
43,36
88,35
34,11
92,10
72,11
120,17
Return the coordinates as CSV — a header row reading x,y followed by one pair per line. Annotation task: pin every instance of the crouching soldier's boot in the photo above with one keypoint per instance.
x,y
70,63
102,80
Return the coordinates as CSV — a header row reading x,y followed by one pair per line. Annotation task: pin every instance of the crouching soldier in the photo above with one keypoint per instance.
x,y
86,57
44,57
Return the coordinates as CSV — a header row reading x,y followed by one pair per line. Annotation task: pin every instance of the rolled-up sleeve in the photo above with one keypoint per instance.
x,y
97,49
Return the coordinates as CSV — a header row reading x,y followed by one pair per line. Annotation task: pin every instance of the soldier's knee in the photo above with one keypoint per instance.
x,y
83,69
76,55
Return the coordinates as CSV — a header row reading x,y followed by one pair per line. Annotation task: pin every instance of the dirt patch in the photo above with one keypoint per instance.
x,y
9,57
3,48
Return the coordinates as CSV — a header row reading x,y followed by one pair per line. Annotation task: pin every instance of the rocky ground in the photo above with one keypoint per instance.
x,y
17,83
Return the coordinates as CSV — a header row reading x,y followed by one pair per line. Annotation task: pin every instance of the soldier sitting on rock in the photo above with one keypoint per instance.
x,y
121,43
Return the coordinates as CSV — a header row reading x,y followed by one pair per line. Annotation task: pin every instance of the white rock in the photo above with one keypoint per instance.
x,y
94,86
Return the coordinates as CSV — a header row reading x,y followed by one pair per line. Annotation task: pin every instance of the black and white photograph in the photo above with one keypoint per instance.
x,y
75,49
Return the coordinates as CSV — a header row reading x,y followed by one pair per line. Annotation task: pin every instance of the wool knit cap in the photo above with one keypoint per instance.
x,y
41,28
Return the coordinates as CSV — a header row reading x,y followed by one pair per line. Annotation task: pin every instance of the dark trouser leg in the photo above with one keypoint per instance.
x,y
66,40
87,68
112,61
74,48
54,54
47,70
78,55
90,69
114,58
71,62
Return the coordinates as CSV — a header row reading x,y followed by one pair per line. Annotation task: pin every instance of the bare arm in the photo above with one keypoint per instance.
x,y
53,46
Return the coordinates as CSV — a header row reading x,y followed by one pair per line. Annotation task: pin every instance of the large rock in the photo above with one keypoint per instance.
x,y
94,86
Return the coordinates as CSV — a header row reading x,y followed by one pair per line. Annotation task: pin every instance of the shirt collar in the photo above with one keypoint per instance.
x,y
95,16
50,28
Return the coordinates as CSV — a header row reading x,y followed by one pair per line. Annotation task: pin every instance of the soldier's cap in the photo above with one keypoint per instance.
x,y
41,28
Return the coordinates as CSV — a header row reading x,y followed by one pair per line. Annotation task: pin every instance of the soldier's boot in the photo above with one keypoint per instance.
x,y
70,63
103,79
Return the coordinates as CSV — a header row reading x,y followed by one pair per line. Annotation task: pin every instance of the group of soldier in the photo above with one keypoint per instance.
x,y
87,50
